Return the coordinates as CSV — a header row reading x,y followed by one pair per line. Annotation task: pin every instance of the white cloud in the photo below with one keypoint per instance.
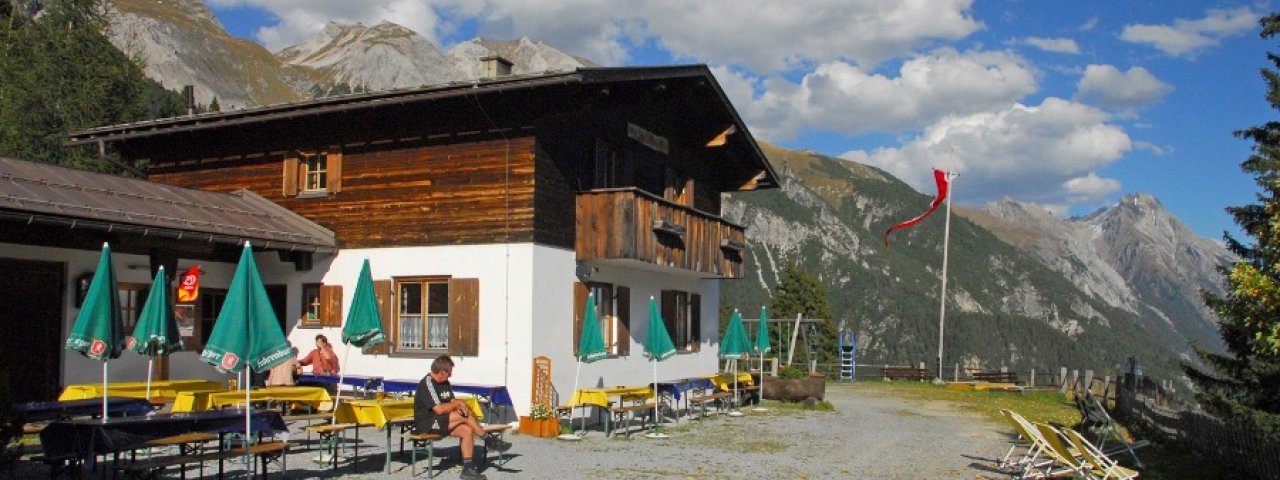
x,y
1110,87
843,98
1056,45
1159,151
1048,154
762,35
1185,37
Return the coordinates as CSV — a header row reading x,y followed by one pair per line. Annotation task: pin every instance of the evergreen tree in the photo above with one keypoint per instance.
x,y
798,292
58,74
214,106
1244,383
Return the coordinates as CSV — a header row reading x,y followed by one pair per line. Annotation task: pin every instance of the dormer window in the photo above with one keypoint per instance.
x,y
313,173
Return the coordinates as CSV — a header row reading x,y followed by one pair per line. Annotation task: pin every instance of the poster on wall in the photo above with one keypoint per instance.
x,y
185,315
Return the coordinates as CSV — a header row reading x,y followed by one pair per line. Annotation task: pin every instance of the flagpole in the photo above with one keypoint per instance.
x,y
946,246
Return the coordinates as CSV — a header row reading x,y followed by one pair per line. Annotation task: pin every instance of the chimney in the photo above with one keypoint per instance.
x,y
495,66
189,91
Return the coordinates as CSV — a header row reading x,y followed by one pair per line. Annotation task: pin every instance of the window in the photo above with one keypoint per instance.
x,y
321,305
613,311
682,315
132,298
435,315
210,304
313,173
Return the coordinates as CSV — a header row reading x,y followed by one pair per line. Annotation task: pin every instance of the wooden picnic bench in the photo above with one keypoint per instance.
x,y
995,376
703,400
152,467
629,412
905,373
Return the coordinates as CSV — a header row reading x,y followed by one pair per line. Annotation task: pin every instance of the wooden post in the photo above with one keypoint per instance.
x,y
1062,379
955,377
1032,383
1075,381
1088,381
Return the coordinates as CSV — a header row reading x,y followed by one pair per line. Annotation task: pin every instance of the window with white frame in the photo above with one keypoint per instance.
x,y
316,168
422,314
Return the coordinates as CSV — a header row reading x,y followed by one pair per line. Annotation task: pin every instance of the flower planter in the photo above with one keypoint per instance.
x,y
539,427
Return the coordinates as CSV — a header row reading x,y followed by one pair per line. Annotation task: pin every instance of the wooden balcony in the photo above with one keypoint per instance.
x,y
629,224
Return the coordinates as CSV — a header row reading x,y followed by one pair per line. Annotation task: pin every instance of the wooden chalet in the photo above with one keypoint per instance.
x,y
488,209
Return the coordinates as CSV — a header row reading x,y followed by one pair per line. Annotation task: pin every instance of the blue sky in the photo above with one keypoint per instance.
x,y
1069,105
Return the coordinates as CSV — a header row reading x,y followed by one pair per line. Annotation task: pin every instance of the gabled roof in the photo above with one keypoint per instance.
x,y
32,191
596,76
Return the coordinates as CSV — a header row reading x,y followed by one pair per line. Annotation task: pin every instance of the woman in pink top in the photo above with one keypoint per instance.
x,y
322,359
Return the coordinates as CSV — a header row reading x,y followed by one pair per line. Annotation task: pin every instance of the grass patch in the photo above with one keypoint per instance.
x,y
1036,406
823,406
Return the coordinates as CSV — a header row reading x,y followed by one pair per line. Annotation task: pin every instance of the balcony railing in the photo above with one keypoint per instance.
x,y
630,224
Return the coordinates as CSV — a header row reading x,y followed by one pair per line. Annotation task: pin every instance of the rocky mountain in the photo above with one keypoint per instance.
x,y
180,42
1026,289
1136,256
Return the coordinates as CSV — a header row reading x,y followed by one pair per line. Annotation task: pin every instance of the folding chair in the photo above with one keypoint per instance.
x,y
1099,463
1024,440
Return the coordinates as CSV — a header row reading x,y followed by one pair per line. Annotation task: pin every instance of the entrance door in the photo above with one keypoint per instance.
x,y
31,304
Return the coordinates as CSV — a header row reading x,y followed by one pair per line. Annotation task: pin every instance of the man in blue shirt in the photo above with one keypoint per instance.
x,y
436,410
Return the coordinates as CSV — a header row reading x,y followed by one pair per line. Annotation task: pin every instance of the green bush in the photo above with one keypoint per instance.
x,y
791,372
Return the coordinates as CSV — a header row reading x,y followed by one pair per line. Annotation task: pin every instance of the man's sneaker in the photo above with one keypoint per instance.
x,y
496,444
470,473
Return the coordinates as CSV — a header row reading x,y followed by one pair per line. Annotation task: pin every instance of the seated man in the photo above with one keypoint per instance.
x,y
435,410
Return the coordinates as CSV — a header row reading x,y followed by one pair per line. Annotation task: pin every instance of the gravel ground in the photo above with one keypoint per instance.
x,y
869,435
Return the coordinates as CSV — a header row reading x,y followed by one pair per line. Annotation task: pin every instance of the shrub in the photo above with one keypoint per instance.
x,y
791,372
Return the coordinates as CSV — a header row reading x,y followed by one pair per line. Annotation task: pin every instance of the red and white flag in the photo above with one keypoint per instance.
x,y
940,177
189,285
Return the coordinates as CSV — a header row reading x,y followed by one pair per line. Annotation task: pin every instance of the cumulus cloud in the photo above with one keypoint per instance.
x,y
1109,87
1056,45
1185,37
844,98
1048,154
762,35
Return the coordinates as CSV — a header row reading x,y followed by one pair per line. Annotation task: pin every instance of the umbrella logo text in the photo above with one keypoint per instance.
x,y
97,347
229,361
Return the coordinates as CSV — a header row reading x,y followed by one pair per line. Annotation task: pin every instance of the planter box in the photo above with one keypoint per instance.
x,y
539,427
793,390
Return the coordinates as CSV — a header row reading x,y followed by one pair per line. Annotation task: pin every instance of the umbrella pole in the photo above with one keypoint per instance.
x,y
655,433
337,389
574,435
737,387
105,394
150,362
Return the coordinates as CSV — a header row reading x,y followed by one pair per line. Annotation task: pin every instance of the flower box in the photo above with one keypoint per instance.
x,y
539,427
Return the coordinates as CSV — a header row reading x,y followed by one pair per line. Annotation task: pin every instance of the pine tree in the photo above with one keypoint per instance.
x,y
58,74
798,292
1244,383
214,106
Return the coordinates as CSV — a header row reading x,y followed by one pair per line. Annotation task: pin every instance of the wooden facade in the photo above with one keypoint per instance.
x,y
474,192
631,224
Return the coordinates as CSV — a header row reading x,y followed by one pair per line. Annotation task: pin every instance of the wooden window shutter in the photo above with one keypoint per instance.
x,y
580,293
331,305
695,321
290,176
333,163
622,302
464,317
668,308
382,292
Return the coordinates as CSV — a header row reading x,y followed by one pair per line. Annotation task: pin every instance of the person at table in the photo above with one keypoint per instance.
x,y
436,410
322,360
286,373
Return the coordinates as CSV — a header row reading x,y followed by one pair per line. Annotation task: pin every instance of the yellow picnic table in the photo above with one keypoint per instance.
x,y
159,388
379,412
600,396
725,380
201,401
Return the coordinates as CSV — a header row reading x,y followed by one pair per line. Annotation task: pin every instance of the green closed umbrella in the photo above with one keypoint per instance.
x,y
98,332
735,344
156,333
364,323
657,344
246,336
762,347
590,348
